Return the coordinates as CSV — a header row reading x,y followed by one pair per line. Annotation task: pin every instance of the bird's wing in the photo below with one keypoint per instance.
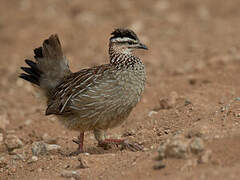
x,y
80,88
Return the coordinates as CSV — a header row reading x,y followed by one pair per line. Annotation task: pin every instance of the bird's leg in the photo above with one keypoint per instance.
x,y
79,141
106,143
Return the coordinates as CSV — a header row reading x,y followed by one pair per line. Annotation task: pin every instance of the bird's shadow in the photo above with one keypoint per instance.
x,y
90,150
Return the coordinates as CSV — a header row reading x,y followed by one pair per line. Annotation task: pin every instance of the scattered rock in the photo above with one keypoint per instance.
x,y
33,159
192,80
52,147
3,147
159,165
168,103
41,148
48,139
187,102
190,163
3,162
178,148
71,174
193,133
12,142
18,157
197,145
164,104
152,113
1,137
82,164
130,132
181,147
205,157
28,122
161,150
4,120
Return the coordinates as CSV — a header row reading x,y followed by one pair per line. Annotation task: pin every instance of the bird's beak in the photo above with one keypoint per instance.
x,y
142,46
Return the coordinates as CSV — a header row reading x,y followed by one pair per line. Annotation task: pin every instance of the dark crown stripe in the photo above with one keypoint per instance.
x,y
121,33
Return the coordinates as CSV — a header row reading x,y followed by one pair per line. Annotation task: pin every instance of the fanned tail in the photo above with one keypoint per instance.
x,y
50,66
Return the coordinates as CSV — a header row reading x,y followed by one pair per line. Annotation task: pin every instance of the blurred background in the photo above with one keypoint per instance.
x,y
194,53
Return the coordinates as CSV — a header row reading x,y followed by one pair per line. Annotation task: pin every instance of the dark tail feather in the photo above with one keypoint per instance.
x,y
33,74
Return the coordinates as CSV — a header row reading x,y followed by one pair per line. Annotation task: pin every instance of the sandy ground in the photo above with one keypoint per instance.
x,y
192,87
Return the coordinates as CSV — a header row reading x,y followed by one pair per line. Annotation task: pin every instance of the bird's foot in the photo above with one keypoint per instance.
x,y
79,142
106,144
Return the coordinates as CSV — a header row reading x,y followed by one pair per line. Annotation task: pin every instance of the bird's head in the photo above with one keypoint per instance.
x,y
125,41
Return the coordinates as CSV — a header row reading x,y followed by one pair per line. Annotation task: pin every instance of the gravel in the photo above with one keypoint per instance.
x,y
70,174
42,148
182,147
197,145
13,142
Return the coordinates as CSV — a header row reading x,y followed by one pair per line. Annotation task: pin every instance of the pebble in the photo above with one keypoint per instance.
x,y
71,174
197,145
33,159
28,122
13,142
3,147
180,147
161,151
41,148
18,157
82,164
1,137
4,121
52,147
48,139
159,165
205,157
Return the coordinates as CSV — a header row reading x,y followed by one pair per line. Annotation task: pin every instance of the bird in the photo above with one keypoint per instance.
x,y
92,99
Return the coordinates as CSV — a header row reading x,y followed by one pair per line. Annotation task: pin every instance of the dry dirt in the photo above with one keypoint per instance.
x,y
192,66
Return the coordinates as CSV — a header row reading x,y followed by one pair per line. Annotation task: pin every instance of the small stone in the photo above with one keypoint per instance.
x,y
1,137
3,147
18,157
13,142
48,139
164,104
190,163
178,148
205,157
52,147
71,174
4,120
173,98
33,159
152,113
28,122
187,102
39,148
82,164
161,151
159,165
197,145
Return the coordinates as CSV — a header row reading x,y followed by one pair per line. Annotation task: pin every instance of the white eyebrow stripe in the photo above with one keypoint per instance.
x,y
124,39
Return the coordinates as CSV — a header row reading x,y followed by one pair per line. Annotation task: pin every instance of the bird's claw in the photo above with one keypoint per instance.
x,y
131,146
